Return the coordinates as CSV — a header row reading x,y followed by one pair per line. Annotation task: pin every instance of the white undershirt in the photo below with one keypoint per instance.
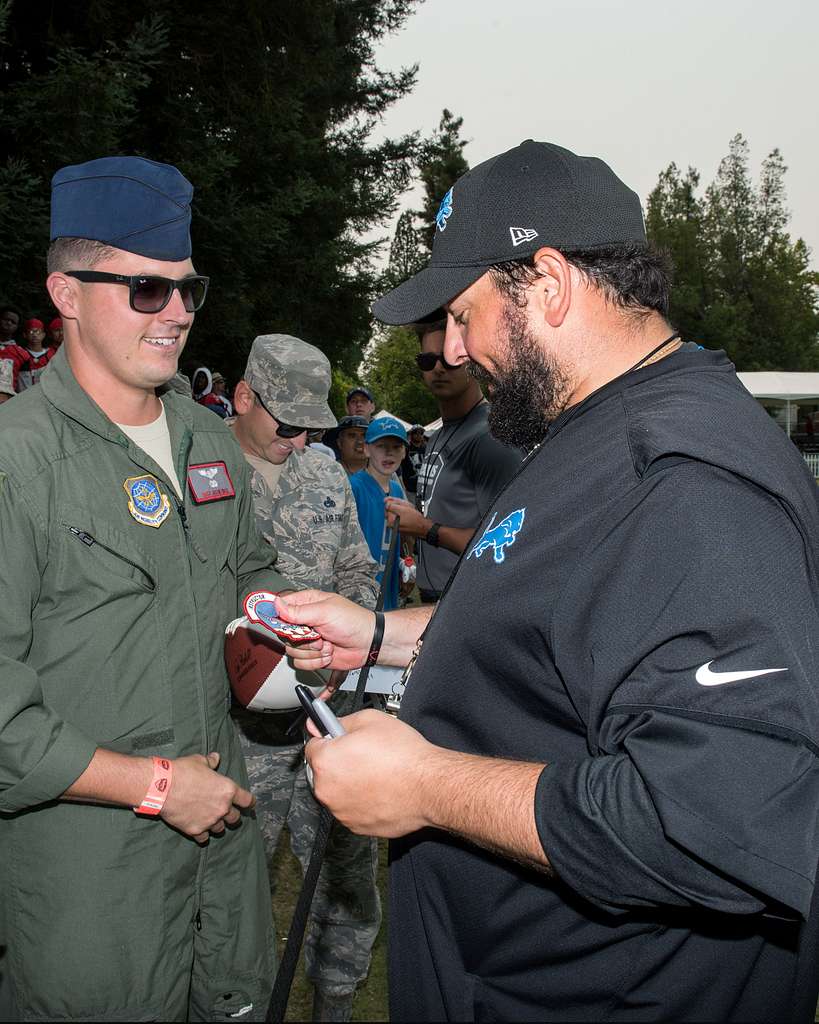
x,y
269,470
155,440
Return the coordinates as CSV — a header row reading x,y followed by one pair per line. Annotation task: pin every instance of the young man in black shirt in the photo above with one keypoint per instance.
x,y
463,469
411,464
603,787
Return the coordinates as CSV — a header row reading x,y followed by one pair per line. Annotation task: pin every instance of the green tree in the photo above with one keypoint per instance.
x,y
340,387
674,222
441,163
391,373
741,283
407,256
269,114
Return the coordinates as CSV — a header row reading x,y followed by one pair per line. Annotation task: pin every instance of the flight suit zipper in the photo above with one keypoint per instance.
x,y
190,545
183,515
200,873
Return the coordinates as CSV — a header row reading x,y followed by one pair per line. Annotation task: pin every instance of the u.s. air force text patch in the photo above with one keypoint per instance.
x,y
146,503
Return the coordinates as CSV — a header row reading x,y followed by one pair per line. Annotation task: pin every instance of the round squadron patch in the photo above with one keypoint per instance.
x,y
260,607
146,503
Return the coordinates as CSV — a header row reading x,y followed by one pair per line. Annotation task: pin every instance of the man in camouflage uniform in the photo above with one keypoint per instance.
x,y
305,508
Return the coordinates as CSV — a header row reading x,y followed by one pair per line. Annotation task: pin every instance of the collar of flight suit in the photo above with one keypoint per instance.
x,y
63,391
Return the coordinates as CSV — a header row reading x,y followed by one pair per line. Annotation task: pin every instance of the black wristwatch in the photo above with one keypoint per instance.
x,y
432,535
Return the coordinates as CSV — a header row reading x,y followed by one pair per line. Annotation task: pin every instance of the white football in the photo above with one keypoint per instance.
x,y
261,675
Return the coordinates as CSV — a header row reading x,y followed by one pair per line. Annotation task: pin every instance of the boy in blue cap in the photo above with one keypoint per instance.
x,y
385,444
123,565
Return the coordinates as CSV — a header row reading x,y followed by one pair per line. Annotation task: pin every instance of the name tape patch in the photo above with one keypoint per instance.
x,y
210,481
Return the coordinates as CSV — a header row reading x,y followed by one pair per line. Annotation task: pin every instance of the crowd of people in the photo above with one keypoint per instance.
x,y
26,348
601,787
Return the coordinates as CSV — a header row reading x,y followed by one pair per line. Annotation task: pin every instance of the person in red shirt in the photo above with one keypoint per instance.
x,y
203,391
9,349
55,332
34,335
219,391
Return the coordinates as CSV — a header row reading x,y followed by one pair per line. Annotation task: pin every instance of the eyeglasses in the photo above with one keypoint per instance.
x,y
150,294
282,429
426,361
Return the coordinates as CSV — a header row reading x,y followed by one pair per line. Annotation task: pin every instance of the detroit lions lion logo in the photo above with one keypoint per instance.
x,y
499,537
444,211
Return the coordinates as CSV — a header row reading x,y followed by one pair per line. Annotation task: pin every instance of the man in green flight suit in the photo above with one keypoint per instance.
x,y
127,544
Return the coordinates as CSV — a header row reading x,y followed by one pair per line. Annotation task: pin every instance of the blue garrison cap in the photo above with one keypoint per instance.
x,y
128,203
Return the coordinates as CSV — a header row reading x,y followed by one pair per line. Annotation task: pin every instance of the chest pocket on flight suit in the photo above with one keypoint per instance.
x,y
107,635
212,536
214,567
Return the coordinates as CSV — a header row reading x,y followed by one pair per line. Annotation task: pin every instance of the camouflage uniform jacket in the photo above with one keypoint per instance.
x,y
311,520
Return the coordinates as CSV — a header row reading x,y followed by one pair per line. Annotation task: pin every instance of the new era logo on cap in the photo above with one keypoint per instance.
x,y
520,235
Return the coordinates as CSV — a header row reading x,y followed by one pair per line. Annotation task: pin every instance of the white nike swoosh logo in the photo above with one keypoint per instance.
x,y
705,677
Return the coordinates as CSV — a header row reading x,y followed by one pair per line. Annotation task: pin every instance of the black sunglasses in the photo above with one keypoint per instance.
x,y
150,294
426,361
282,429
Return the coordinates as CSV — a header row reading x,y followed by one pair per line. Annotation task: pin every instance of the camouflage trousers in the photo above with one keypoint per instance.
x,y
346,911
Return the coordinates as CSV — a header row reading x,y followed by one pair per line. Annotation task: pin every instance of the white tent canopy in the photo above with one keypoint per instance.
x,y
793,387
774,386
404,424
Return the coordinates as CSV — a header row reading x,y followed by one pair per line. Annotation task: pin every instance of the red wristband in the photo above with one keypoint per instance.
x,y
154,799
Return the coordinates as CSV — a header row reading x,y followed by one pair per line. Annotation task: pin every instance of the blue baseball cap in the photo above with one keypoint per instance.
x,y
127,202
385,426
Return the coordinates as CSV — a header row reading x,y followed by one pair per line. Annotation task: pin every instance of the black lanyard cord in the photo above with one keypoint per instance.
x,y
287,967
439,449
422,482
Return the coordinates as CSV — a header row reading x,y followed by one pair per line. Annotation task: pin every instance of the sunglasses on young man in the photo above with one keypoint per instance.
x,y
426,361
148,293
284,430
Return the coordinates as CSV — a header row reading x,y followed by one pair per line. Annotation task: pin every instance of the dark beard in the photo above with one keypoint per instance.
x,y
528,392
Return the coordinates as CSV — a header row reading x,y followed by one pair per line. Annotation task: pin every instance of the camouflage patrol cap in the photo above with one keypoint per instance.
x,y
292,379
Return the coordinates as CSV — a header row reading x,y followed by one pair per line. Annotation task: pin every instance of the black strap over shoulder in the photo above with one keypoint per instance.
x,y
287,968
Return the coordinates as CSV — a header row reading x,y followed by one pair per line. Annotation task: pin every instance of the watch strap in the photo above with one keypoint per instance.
x,y
431,537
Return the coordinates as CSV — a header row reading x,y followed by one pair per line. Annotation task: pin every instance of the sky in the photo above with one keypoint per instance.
x,y
639,84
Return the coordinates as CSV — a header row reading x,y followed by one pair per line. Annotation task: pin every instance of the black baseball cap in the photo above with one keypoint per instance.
x,y
358,390
509,207
352,421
